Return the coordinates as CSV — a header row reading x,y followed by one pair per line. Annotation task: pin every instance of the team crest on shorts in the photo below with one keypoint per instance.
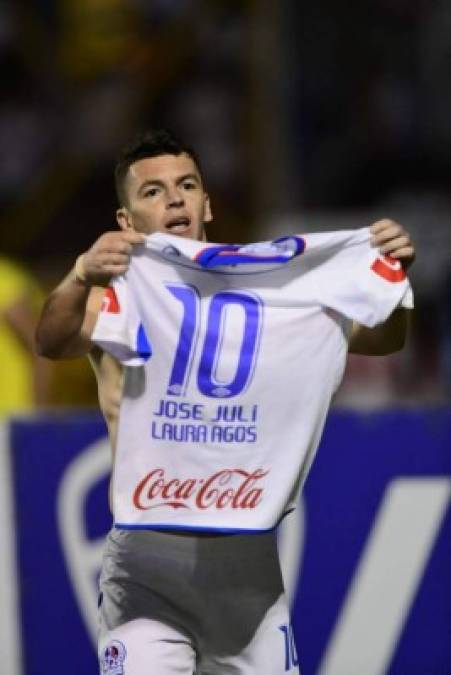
x,y
112,658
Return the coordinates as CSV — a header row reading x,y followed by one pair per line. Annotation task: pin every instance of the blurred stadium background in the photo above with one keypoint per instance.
x,y
306,116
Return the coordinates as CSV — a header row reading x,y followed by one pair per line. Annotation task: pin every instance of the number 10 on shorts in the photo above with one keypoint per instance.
x,y
291,657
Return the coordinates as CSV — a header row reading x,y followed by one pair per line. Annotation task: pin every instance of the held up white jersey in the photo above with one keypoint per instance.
x,y
232,355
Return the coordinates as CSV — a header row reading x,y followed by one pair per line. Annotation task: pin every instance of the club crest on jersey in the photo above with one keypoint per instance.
x,y
389,268
112,658
110,303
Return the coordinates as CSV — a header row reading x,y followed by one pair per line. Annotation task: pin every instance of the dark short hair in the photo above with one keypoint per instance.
x,y
152,143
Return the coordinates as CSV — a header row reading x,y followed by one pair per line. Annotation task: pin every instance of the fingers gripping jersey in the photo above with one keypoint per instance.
x,y
232,356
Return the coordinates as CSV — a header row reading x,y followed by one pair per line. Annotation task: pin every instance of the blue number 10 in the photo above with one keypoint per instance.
x,y
207,380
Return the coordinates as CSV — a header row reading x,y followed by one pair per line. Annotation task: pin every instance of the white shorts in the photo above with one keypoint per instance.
x,y
184,604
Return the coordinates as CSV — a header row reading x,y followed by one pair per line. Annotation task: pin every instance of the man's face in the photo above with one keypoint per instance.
x,y
165,194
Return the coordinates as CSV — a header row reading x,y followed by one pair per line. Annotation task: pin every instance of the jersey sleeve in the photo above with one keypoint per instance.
x,y
119,329
358,282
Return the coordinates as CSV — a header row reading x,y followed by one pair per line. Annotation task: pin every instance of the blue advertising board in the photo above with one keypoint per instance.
x,y
369,550
374,593
55,553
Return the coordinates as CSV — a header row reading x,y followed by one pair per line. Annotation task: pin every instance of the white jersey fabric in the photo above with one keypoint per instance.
x,y
232,356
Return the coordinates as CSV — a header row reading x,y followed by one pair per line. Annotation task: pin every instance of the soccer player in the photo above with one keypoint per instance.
x,y
190,578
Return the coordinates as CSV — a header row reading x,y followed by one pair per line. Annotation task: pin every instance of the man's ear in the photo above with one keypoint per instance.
x,y
124,219
208,216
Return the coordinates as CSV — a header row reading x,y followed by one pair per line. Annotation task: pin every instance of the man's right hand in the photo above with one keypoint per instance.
x,y
108,257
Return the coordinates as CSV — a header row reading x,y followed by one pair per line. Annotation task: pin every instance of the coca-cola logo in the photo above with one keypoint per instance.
x,y
227,488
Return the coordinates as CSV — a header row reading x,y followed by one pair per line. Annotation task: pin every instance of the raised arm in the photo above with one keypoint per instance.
x,y
69,314
391,239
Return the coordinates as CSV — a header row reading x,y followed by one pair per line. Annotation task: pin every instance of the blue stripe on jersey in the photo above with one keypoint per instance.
x,y
240,259
200,528
283,250
192,528
143,347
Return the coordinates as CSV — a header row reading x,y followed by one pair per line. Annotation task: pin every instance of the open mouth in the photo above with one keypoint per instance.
x,y
178,225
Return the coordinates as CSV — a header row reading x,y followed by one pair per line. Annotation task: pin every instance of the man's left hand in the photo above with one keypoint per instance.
x,y
393,240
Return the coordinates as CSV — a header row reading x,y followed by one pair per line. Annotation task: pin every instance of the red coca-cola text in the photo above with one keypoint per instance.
x,y
227,488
